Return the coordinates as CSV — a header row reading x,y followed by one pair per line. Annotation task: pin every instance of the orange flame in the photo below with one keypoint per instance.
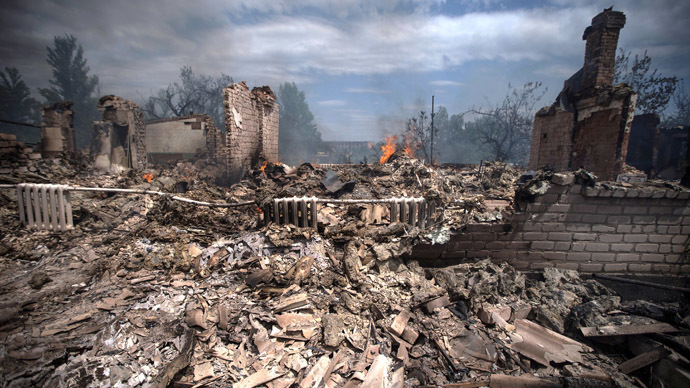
x,y
263,166
148,177
409,146
388,149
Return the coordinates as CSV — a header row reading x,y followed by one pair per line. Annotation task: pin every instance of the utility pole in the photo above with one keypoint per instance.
x,y
431,157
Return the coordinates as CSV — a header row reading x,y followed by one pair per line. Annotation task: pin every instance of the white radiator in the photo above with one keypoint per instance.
x,y
45,206
303,211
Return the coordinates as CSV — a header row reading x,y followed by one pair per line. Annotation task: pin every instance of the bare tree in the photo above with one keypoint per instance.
x,y
193,94
506,129
654,91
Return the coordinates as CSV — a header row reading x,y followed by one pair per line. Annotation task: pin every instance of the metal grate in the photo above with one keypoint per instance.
x,y
303,211
45,206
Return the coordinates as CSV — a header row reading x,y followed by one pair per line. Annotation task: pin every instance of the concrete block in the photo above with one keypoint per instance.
x,y
635,210
560,256
667,268
541,265
657,193
609,209
562,246
628,257
578,256
560,236
665,248
652,258
600,257
553,227
671,194
648,248
639,267
597,247
578,227
530,226
594,218
668,220
679,239
591,267
624,228
591,192
644,219
558,208
504,254
584,236
585,208
672,258
573,218
543,245
610,238
572,266
619,193
534,236
563,178
660,238
618,220
635,238
632,193
615,267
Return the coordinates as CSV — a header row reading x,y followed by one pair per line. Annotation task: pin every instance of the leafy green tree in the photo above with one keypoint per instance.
x,y
654,91
72,82
506,129
299,139
16,104
193,94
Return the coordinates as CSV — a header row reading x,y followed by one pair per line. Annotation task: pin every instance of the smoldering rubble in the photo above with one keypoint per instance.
x,y
147,291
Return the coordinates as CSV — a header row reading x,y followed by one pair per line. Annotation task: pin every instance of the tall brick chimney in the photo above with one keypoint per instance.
x,y
600,53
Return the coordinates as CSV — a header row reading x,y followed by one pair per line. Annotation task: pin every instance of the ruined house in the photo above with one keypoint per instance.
x,y
183,138
251,124
659,152
57,129
120,137
589,123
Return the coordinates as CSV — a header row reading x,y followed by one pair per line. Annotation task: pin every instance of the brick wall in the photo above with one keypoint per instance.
x,y
602,131
15,155
57,129
251,123
590,229
600,51
552,139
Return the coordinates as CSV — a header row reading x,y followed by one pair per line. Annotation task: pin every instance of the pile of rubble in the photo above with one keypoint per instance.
x,y
15,155
146,291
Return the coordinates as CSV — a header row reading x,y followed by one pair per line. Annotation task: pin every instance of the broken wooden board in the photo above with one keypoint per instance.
x,y
377,376
291,303
606,331
525,381
543,345
315,375
644,359
260,377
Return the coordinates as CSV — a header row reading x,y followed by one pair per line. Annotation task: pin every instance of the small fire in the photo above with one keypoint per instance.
x,y
259,210
409,146
388,149
148,177
263,166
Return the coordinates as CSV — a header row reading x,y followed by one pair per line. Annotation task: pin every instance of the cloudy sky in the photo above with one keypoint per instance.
x,y
364,65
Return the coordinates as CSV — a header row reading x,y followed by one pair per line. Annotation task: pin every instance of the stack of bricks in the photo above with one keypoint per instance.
x,y
15,156
642,229
600,51
251,122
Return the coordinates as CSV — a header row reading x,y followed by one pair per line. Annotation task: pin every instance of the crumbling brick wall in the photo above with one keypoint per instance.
x,y
251,123
589,123
15,155
215,140
57,129
126,116
644,230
